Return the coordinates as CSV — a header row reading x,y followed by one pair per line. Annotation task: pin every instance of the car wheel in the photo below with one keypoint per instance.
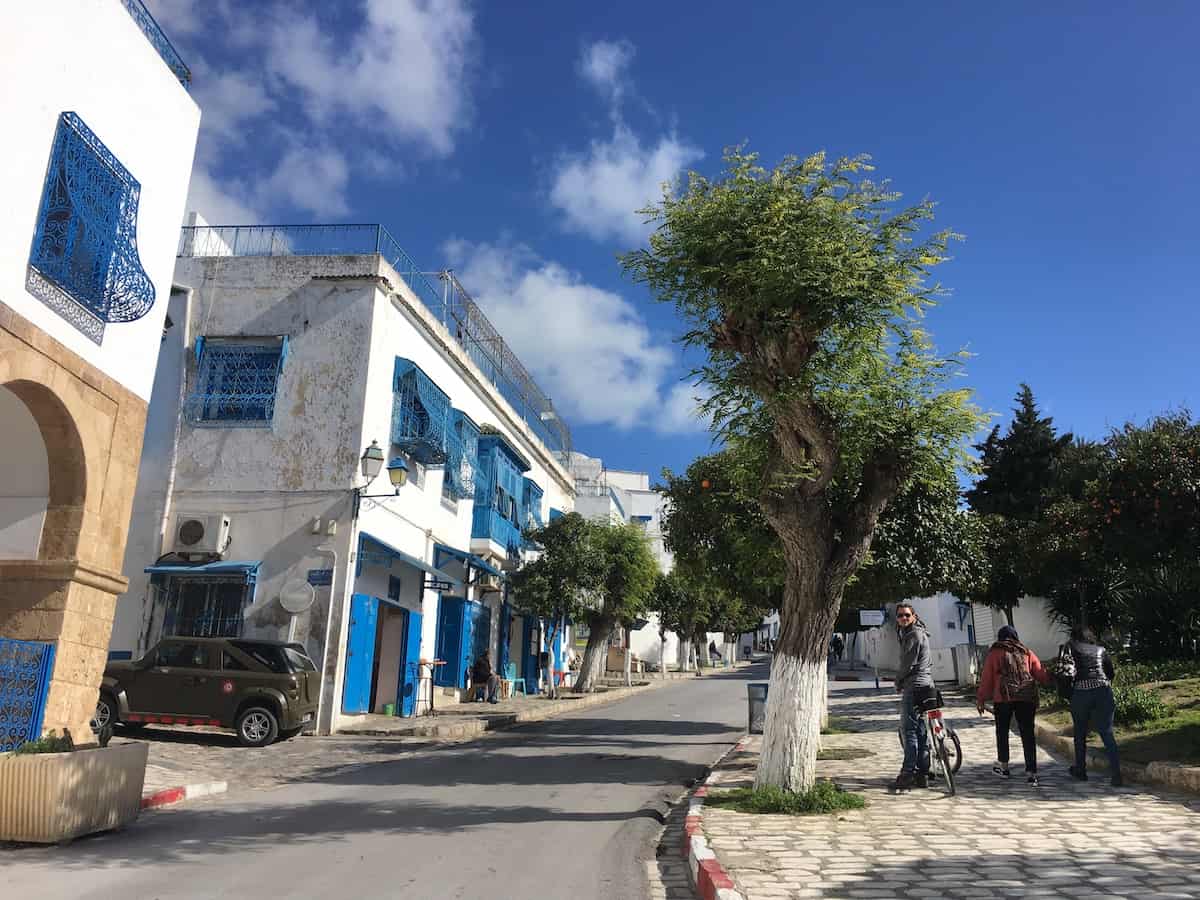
x,y
106,714
257,726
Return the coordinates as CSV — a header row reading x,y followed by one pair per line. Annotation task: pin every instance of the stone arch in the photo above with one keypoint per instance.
x,y
67,469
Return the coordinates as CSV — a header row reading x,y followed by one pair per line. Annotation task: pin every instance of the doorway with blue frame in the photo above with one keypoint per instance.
x,y
382,655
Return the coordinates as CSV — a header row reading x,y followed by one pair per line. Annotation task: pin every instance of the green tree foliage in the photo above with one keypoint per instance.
x,y
1020,473
566,574
804,286
680,608
627,573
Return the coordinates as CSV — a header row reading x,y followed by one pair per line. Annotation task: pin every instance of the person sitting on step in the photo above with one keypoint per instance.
x,y
484,680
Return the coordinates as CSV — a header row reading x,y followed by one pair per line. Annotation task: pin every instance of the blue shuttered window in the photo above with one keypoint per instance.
x,y
84,261
462,457
421,414
235,382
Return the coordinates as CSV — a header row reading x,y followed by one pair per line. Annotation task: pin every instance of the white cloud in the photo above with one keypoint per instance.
x,y
224,203
309,179
228,102
406,71
599,192
680,412
588,347
604,65
180,17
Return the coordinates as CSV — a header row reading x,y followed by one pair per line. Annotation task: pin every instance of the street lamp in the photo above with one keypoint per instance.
x,y
371,463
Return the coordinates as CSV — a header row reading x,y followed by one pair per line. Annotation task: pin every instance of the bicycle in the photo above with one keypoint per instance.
x,y
947,756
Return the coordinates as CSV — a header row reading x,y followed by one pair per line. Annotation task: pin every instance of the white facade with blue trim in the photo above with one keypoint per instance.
x,y
97,151
289,353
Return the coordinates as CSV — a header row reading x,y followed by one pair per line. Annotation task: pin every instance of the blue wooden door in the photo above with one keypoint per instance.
x,y
450,642
410,668
529,655
360,654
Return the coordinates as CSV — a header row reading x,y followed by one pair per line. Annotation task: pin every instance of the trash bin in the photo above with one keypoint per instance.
x,y
756,697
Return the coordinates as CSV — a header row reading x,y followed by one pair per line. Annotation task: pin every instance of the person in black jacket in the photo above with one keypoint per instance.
x,y
483,679
1092,703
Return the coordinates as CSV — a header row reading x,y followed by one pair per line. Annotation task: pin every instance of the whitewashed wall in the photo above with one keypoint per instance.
x,y
89,57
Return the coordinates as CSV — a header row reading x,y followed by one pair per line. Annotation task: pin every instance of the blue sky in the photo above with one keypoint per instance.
x,y
512,142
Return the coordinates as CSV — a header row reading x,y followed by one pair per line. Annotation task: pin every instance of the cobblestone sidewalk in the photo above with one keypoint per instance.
x,y
997,838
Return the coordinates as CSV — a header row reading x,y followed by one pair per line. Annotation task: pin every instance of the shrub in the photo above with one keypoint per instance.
x,y
1130,673
822,798
51,743
1136,705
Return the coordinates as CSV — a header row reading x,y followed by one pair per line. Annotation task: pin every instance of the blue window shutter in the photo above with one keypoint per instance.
x,y
199,348
555,514
283,351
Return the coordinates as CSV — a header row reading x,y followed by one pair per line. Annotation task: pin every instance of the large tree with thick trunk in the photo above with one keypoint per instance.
x,y
804,285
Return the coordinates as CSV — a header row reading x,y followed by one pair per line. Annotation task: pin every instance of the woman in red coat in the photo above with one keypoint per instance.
x,y
1010,677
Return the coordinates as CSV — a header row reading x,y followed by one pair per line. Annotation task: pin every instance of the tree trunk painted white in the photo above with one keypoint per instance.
x,y
628,665
792,731
662,655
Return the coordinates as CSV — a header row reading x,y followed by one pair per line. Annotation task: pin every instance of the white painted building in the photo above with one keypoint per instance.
x,y
289,353
94,164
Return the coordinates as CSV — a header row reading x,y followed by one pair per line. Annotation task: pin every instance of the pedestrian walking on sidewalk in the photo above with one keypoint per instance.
x,y
1011,674
1092,703
914,681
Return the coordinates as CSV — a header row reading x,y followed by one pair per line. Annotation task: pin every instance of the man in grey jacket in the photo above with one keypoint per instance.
x,y
914,676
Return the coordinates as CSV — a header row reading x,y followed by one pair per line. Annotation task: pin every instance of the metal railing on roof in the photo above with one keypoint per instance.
x,y
158,40
453,306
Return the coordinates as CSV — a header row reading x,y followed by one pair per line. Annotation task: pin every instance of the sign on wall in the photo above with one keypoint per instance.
x,y
869,618
320,577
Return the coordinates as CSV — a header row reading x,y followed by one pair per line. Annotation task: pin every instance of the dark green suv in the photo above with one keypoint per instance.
x,y
261,689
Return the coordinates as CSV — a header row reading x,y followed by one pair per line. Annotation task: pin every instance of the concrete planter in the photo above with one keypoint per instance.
x,y
50,797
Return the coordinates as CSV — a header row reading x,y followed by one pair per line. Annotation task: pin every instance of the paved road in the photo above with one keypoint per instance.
x,y
564,808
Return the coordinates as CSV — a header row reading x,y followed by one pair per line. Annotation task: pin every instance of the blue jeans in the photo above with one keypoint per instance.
x,y
916,736
1094,706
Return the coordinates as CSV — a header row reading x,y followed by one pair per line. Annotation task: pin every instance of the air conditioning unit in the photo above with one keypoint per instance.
x,y
195,535
487,582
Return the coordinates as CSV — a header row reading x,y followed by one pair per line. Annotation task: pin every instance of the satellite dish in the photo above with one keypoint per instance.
x,y
296,596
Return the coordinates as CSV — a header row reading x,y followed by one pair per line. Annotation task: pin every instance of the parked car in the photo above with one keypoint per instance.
x,y
263,690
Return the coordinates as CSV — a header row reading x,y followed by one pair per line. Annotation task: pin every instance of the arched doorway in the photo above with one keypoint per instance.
x,y
43,477
24,479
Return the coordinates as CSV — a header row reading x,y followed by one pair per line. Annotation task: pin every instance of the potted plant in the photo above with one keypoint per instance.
x,y
51,791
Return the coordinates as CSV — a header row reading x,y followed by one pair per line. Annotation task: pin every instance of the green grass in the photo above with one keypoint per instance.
x,y
843,753
838,725
1170,733
822,798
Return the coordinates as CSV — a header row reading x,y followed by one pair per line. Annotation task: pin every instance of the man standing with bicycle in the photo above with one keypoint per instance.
x,y
914,682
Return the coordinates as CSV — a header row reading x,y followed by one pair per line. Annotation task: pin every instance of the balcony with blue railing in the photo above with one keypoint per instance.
x,y
488,524
449,302
158,40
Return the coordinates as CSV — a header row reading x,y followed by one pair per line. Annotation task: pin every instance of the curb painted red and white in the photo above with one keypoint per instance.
x,y
708,876
168,796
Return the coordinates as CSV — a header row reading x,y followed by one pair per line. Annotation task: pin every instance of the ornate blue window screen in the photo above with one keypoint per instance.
x,y
204,606
499,492
25,671
421,414
84,262
236,381
462,457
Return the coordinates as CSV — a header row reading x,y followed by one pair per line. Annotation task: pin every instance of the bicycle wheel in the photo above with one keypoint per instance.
x,y
943,757
956,756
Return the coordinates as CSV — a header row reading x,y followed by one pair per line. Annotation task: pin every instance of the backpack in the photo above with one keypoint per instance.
x,y
1016,681
1064,672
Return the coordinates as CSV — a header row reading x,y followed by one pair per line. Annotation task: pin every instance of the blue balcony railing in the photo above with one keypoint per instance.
x,y
465,321
487,523
158,40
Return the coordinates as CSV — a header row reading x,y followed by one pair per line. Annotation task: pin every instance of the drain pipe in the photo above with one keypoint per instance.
x,y
326,728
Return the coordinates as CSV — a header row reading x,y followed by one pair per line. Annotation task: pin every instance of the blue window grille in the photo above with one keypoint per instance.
x,y
532,503
25,671
499,490
84,261
462,457
204,606
421,415
235,381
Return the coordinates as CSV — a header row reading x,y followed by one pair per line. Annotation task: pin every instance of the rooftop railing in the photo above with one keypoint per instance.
x,y
158,40
447,300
